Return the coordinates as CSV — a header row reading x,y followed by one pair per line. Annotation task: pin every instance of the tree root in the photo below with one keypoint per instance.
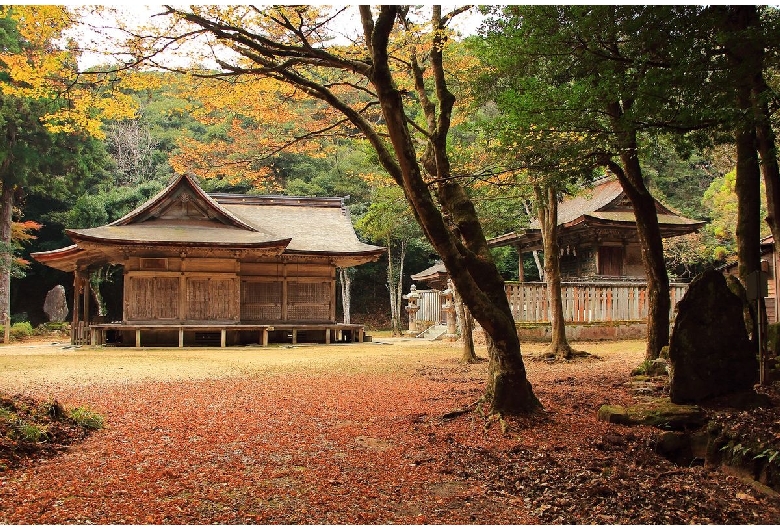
x,y
447,416
561,355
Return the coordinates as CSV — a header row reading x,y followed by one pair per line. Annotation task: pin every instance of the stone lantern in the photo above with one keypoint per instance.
x,y
448,296
412,307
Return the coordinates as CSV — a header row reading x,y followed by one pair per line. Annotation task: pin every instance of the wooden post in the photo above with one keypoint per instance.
x,y
327,335
182,295
295,336
264,337
86,291
333,297
222,338
6,328
181,337
284,292
520,266
138,337
76,306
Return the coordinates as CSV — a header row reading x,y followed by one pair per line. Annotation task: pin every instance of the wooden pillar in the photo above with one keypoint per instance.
x,y
222,337
182,295
284,292
333,297
181,337
520,266
295,336
264,337
76,306
327,335
138,338
86,290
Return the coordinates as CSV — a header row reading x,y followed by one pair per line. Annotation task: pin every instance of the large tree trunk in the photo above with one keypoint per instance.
x,y
6,251
629,173
767,149
547,208
745,62
463,250
760,93
748,189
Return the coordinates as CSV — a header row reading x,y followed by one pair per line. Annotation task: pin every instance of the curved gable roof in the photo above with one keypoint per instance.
x,y
182,189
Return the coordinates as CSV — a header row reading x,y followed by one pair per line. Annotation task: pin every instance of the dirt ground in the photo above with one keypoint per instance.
x,y
348,433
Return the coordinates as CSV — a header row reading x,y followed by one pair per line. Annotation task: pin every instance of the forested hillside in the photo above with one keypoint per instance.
x,y
258,135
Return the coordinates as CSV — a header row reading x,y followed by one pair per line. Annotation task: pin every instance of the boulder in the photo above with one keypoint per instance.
x,y
56,305
710,354
659,413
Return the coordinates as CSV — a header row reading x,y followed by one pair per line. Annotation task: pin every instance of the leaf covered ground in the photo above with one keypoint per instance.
x,y
348,434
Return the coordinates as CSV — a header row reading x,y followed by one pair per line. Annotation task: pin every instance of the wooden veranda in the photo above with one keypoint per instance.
x,y
594,301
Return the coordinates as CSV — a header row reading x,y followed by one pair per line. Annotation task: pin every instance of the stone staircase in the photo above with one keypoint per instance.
x,y
434,332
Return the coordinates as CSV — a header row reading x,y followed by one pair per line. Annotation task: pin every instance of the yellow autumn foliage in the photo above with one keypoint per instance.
x,y
45,69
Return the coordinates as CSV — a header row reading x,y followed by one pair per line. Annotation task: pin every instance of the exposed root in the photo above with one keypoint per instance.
x,y
563,355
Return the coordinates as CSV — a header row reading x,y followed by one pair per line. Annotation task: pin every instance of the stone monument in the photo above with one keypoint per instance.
x,y
56,305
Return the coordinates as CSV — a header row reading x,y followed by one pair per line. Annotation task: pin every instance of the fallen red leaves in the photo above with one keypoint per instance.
x,y
368,448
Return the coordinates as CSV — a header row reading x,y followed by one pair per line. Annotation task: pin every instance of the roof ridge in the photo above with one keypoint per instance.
x,y
190,180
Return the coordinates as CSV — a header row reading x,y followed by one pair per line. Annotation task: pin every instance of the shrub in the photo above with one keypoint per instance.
x,y
21,330
30,432
86,418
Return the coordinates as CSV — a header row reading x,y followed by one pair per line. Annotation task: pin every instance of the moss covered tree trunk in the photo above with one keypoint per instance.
x,y
459,239
629,173
547,211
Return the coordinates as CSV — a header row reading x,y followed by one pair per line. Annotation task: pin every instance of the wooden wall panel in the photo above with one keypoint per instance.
x,y
211,298
261,301
308,301
152,297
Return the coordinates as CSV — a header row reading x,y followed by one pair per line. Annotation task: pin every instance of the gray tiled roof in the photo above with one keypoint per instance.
x,y
312,229
164,232
588,201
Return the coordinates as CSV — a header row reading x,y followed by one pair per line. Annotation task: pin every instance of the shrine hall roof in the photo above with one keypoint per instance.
x,y
183,215
605,204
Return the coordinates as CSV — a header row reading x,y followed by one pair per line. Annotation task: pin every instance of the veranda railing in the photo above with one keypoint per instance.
x,y
596,301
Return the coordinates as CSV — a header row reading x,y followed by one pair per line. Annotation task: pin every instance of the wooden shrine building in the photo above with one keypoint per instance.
x,y
597,234
218,268
603,278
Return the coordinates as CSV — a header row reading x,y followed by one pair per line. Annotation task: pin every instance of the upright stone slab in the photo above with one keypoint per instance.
x,y
709,351
56,305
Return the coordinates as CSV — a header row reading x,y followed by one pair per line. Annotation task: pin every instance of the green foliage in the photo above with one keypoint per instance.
x,y
109,204
30,432
20,330
506,261
720,202
676,178
388,218
86,418
568,88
